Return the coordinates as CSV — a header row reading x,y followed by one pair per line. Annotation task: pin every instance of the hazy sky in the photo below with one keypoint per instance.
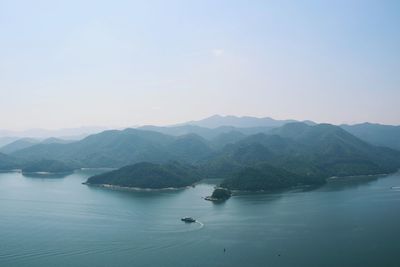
x,y
121,63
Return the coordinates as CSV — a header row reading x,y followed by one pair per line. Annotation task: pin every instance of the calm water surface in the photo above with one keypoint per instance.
x,y
60,222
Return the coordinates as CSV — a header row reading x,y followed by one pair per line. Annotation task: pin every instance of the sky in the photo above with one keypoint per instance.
x,y
124,63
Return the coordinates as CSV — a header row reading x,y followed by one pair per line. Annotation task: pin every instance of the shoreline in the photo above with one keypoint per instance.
x,y
234,192
94,169
47,173
128,188
332,178
294,187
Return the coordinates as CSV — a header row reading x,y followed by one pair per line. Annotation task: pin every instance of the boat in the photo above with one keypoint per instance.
x,y
188,219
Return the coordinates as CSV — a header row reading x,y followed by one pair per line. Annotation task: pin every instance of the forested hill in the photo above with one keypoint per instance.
x,y
9,163
149,175
308,151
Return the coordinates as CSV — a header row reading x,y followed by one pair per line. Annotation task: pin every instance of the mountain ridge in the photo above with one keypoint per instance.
x,y
215,121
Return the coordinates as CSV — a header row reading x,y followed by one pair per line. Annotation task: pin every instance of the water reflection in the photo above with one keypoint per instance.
x,y
137,193
46,175
338,184
64,223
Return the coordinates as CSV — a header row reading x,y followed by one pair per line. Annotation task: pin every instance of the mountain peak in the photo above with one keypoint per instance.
x,y
216,121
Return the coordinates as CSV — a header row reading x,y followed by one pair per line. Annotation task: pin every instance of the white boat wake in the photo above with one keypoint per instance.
x,y
192,228
201,224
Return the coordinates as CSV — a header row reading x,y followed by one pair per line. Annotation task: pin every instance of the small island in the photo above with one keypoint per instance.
x,y
147,175
46,166
219,194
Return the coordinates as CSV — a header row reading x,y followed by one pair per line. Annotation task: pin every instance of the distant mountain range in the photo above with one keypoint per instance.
x,y
240,122
320,150
294,154
28,142
206,133
7,136
376,134
211,127
67,133
119,148
315,152
260,154
7,140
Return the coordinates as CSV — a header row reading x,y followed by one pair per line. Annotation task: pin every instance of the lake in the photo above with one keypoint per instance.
x,y
60,222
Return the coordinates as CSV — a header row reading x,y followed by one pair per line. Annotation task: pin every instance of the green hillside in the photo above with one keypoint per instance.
x,y
149,175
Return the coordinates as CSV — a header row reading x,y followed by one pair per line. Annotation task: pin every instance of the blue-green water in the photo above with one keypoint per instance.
x,y
60,222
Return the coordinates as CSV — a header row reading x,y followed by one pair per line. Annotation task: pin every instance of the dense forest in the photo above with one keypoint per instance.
x,y
47,165
253,158
149,175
